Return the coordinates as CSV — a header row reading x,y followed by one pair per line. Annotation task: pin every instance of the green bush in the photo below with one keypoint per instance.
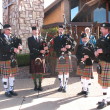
x,y
23,59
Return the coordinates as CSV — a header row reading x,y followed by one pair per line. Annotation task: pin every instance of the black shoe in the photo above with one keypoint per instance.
x,y
104,93
64,90
86,93
40,89
101,105
89,84
81,93
13,93
60,89
7,94
35,88
92,77
108,103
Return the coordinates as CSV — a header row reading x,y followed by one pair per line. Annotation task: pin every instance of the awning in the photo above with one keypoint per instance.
x,y
85,10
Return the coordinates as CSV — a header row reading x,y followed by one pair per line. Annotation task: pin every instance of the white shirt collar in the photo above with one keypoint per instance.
x,y
7,37
106,35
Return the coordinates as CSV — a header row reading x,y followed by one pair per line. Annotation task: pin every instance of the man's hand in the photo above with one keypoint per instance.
x,y
68,46
45,48
99,50
86,56
16,50
96,53
63,49
42,51
20,47
83,59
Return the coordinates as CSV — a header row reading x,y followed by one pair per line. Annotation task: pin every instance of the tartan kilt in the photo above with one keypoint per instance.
x,y
104,77
86,72
6,70
35,68
67,67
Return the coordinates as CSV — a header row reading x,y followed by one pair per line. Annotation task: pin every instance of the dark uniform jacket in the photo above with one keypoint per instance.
x,y
105,56
60,42
34,47
6,48
80,54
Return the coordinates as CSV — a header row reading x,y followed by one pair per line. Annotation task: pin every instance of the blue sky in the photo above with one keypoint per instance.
x,y
47,2
1,11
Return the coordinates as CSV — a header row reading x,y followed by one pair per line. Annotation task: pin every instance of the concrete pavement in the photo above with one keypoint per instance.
x,y
49,98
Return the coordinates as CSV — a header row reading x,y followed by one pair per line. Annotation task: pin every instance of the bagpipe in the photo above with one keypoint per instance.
x,y
43,44
15,42
102,43
67,40
87,50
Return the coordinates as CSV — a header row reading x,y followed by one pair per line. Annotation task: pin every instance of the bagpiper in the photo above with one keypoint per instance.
x,y
8,63
103,54
37,59
64,64
86,69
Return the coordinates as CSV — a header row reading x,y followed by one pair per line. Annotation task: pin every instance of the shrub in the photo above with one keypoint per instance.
x,y
23,59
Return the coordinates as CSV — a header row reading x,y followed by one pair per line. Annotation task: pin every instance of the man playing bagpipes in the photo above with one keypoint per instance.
x,y
64,64
8,63
37,57
84,54
103,69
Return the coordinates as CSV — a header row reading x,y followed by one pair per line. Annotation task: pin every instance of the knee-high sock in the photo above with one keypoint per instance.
x,y
83,83
105,96
61,80
11,83
108,95
66,76
104,90
87,85
5,84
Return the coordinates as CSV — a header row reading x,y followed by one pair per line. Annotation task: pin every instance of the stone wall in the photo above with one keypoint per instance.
x,y
22,15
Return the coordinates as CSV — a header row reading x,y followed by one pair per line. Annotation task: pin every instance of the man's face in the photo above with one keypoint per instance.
x,y
104,31
85,39
60,30
7,31
34,32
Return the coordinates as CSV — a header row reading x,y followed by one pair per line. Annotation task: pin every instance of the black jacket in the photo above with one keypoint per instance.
x,y
60,42
105,56
80,54
6,48
34,47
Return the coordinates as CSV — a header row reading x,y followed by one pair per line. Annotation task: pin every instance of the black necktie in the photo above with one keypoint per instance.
x,y
37,39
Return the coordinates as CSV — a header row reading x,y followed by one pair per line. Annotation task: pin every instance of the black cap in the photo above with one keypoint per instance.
x,y
34,28
83,35
6,26
60,26
105,25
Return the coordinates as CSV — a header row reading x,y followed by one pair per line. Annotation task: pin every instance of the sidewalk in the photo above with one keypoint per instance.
x,y
49,98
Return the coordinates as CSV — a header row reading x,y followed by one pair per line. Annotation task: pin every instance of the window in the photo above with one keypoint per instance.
x,y
74,12
100,14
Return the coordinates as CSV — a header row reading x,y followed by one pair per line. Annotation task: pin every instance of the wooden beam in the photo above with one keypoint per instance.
x,y
107,12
